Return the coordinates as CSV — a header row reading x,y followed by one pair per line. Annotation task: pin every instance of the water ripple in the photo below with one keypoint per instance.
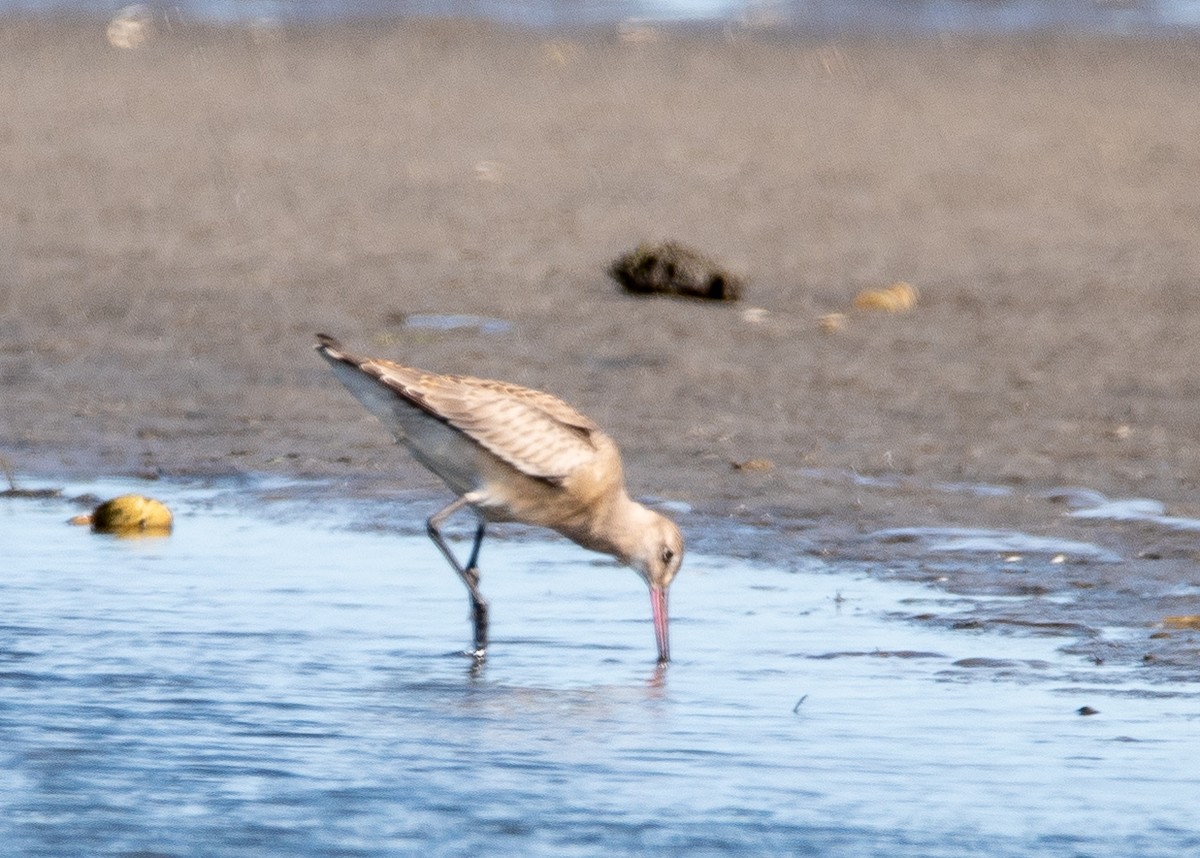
x,y
259,685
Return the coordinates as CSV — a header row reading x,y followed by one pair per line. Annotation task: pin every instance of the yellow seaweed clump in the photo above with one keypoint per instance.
x,y
897,298
129,515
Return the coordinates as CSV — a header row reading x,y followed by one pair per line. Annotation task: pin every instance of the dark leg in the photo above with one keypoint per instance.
x,y
473,563
479,607
469,575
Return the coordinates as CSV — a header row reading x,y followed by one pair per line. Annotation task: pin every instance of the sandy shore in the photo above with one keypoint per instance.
x,y
181,218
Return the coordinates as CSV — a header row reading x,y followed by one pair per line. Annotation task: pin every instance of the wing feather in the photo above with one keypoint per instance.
x,y
534,432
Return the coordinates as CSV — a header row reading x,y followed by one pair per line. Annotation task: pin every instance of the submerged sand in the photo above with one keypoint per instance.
x,y
179,220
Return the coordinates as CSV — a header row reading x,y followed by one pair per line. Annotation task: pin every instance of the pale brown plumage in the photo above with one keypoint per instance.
x,y
515,454
539,435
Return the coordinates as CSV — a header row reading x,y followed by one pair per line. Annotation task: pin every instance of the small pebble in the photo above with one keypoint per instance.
x,y
753,465
831,323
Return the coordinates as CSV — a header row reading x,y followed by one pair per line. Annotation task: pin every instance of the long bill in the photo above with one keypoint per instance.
x,y
658,605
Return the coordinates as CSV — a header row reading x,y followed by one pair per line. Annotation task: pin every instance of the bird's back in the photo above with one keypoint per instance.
x,y
470,431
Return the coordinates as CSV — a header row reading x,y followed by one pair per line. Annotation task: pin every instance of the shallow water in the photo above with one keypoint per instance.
x,y
819,16
275,679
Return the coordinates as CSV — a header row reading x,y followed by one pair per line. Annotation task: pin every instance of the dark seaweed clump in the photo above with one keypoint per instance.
x,y
671,268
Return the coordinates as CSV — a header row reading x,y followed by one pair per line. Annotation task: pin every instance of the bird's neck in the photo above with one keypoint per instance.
x,y
619,529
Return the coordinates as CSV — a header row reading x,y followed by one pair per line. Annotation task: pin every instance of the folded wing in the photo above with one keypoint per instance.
x,y
534,432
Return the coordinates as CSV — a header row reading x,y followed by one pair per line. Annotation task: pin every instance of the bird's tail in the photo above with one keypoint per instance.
x,y
332,350
329,345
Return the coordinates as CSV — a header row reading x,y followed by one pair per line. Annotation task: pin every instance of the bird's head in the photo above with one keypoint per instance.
x,y
662,551
657,561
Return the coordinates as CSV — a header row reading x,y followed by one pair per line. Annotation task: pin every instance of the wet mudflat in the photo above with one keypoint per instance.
x,y
281,678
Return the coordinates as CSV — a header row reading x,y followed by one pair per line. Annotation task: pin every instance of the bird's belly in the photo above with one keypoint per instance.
x,y
444,451
509,495
439,447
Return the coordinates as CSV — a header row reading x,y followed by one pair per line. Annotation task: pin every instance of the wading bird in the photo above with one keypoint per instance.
x,y
515,454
